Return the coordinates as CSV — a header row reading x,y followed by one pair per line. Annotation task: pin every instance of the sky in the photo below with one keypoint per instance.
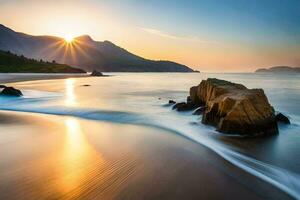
x,y
207,35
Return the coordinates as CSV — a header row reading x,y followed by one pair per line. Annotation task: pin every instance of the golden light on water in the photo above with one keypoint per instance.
x,y
76,155
70,99
74,133
79,159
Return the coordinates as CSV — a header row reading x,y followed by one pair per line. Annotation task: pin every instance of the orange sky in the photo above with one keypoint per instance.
x,y
155,40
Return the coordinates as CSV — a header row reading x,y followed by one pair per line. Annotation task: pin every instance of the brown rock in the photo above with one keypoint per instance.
x,y
194,95
234,109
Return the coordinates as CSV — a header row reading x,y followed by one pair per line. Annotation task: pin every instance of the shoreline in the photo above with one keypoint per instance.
x,y
20,77
210,160
123,162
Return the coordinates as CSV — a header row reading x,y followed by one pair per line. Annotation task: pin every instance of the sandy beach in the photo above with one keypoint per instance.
x,y
49,157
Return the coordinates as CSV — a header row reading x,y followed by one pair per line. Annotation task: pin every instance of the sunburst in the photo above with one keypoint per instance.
x,y
69,38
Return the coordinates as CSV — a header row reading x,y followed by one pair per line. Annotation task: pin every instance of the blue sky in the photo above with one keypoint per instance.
x,y
249,20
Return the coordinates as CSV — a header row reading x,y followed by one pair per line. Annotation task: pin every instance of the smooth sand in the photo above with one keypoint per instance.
x,y
17,77
55,157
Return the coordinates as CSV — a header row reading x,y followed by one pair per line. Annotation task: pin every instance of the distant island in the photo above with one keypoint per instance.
x,y
279,70
83,52
12,63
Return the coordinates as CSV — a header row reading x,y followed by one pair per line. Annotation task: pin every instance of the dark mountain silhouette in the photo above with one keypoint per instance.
x,y
83,52
279,70
12,63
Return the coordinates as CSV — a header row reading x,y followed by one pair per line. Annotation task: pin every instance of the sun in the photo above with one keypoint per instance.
x,y
69,38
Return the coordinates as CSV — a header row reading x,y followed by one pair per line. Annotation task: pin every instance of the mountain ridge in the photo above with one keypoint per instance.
x,y
83,52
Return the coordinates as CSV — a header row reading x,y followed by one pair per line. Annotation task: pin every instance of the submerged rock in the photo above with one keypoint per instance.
x,y
183,106
172,102
10,91
199,111
282,118
96,73
234,109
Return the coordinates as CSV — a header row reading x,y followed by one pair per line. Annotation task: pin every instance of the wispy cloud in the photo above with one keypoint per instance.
x,y
176,37
160,33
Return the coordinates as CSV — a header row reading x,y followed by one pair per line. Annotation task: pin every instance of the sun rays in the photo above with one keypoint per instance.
x,y
67,50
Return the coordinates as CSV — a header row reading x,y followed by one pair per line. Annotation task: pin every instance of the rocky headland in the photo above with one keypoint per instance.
x,y
280,70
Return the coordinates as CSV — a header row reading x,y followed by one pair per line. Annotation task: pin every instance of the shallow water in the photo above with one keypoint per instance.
x,y
141,99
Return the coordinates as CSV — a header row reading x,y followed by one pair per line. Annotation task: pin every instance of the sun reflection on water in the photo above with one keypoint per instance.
x,y
77,155
70,95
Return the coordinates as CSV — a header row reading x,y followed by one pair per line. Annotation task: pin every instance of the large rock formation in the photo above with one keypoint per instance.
x,y
234,109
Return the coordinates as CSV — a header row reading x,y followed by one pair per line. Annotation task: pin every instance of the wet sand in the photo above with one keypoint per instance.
x,y
17,77
55,157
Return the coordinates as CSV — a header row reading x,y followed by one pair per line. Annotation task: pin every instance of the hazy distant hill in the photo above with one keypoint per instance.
x,y
279,70
83,52
11,63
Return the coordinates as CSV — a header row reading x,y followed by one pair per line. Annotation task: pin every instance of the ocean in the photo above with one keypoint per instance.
x,y
141,99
